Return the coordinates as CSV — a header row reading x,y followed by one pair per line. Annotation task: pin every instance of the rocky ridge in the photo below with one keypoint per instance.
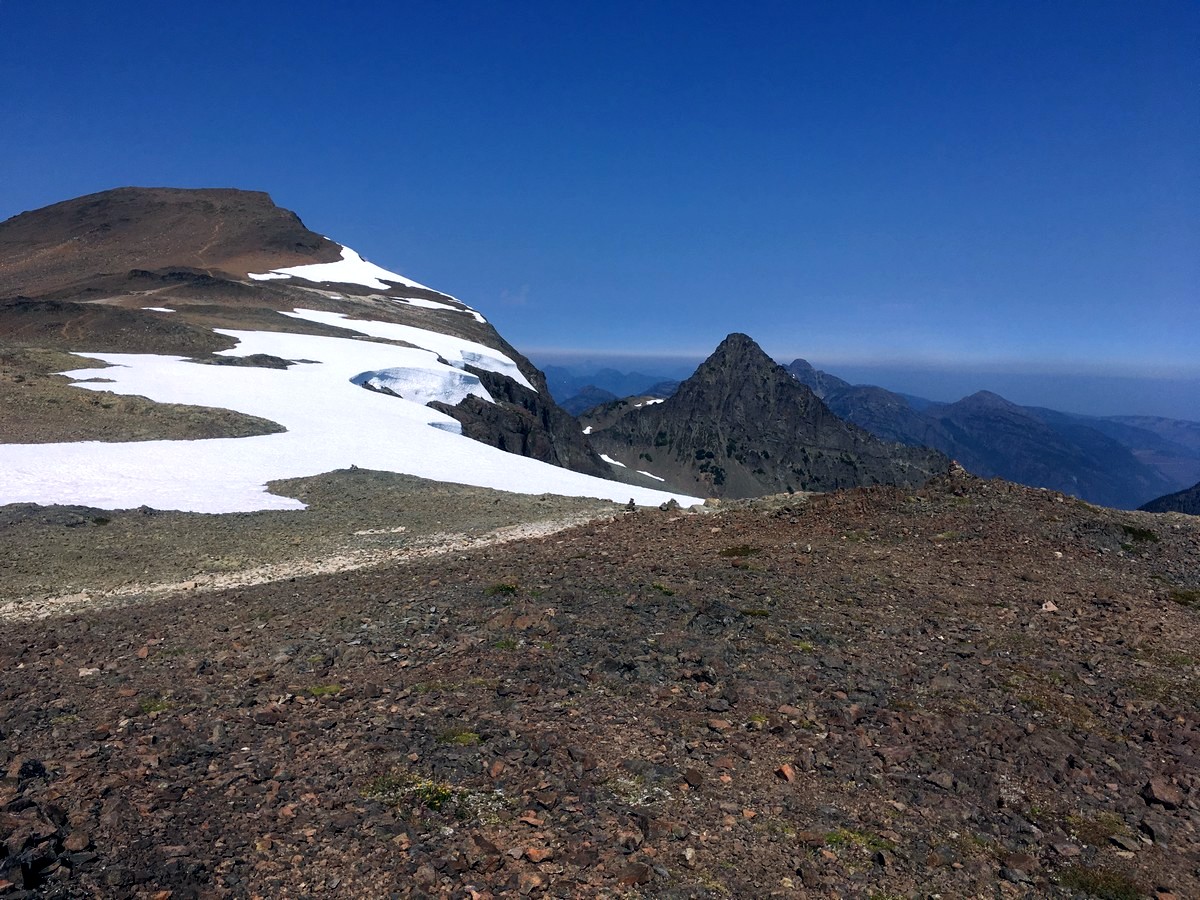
x,y
741,426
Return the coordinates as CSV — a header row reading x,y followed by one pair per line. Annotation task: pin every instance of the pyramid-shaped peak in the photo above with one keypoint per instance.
x,y
738,342
737,362
742,426
739,349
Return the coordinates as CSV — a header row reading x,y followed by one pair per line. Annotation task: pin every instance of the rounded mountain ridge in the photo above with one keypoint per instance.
x,y
214,230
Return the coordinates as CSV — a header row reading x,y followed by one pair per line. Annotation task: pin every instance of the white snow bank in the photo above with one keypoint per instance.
x,y
157,309
425,303
648,475
646,403
353,269
587,429
421,385
331,424
350,269
457,351
611,461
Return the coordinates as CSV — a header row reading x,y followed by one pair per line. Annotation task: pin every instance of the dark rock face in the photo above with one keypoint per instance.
x,y
741,426
1185,501
526,423
994,438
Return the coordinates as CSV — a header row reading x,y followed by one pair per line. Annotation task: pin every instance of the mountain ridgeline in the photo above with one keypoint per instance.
x,y
741,426
95,273
78,275
1185,501
992,437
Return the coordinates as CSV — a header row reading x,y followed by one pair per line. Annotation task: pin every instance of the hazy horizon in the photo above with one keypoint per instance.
x,y
1089,394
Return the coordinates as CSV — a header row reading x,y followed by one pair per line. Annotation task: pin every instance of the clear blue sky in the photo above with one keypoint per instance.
x,y
949,186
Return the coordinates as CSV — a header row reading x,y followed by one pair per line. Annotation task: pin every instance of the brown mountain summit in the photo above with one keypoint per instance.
x,y
214,230
85,275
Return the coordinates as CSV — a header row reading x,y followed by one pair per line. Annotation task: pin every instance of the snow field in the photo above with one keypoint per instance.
x,y
331,423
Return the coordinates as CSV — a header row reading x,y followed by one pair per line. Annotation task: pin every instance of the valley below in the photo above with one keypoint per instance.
x,y
970,689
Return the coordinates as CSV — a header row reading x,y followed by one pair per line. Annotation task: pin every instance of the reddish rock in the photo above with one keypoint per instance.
x,y
637,873
538,854
1161,790
77,841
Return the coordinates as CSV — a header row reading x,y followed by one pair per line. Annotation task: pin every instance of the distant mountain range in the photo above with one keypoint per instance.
x,y
578,393
1120,461
742,426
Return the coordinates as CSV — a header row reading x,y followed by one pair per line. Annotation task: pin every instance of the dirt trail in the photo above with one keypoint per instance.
x,y
346,559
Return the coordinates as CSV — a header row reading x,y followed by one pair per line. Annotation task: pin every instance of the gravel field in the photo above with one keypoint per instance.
x,y
61,557
970,690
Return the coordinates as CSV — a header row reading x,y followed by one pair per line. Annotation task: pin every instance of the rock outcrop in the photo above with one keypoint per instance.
x,y
741,426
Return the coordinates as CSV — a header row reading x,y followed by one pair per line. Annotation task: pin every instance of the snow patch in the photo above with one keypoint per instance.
x,y
353,269
157,309
612,462
350,269
587,429
331,424
648,475
457,351
434,304
646,403
425,384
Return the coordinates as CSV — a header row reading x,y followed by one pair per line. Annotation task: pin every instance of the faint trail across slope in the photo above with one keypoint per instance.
x,y
348,559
